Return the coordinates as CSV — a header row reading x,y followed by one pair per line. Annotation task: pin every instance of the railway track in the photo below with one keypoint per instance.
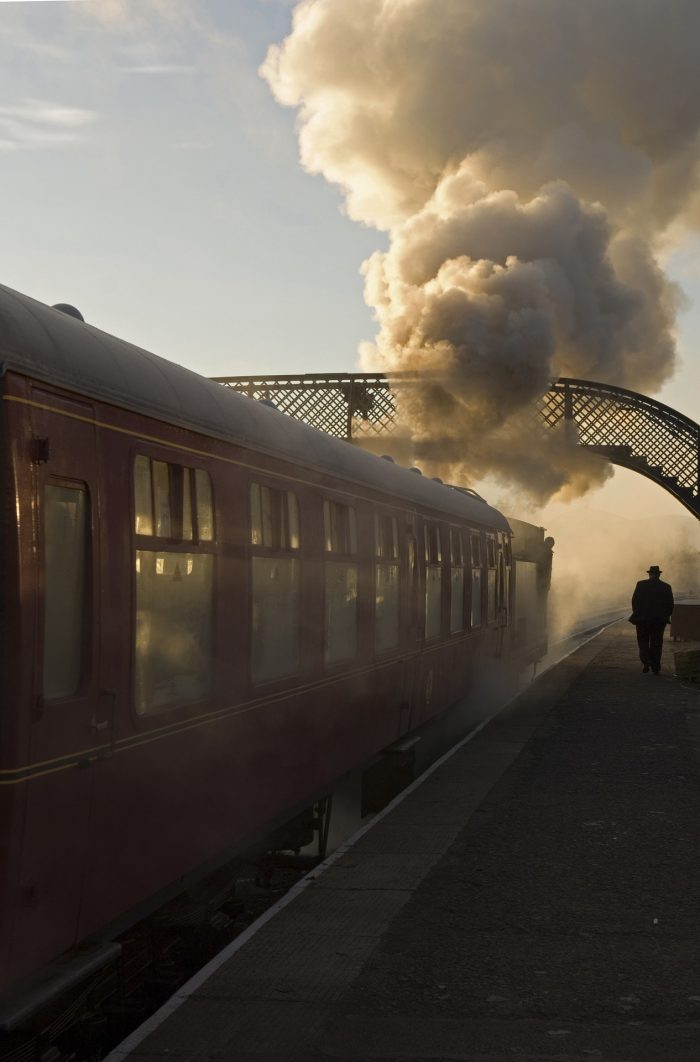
x,y
157,956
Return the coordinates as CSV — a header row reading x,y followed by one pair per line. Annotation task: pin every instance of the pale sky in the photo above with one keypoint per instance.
x,y
150,178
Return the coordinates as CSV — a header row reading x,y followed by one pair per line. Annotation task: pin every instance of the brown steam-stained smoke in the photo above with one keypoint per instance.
x,y
528,161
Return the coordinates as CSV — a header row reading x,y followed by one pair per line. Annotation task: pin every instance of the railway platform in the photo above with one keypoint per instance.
x,y
537,897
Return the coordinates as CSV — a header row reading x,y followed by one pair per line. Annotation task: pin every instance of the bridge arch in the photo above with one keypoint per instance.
x,y
627,428
631,430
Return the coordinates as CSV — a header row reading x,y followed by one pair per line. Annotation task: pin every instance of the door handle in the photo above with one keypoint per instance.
x,y
99,726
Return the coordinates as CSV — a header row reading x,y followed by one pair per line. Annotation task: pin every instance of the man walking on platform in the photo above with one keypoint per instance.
x,y
652,605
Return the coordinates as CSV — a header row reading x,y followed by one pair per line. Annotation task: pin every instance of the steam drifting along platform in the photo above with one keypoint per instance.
x,y
538,896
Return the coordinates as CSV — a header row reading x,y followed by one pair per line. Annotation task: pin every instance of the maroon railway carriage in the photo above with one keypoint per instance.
x,y
209,612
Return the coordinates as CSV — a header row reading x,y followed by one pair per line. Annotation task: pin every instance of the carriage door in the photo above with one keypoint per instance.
x,y
69,732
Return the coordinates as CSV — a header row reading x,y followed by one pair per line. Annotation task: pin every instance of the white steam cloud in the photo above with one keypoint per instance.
x,y
528,160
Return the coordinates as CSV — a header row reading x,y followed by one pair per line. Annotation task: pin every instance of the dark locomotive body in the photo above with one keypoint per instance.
x,y
209,613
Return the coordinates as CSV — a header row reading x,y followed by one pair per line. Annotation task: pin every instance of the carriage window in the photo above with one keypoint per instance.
x,y
456,582
174,614
340,527
276,583
505,575
386,585
66,615
274,518
174,590
341,582
143,496
476,580
433,581
433,552
386,536
187,524
161,499
205,506
172,501
491,551
491,576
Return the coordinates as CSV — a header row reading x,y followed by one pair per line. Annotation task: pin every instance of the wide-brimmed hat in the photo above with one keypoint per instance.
x,y
654,570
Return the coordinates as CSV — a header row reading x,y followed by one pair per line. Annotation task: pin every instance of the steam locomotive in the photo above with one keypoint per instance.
x,y
209,613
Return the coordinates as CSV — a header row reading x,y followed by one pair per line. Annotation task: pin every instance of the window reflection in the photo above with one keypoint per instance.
x,y
340,583
276,583
174,590
174,612
386,585
65,584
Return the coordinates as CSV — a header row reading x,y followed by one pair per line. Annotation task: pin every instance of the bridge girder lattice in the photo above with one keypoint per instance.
x,y
627,428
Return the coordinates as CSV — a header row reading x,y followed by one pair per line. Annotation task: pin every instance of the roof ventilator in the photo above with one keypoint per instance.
x,y
70,311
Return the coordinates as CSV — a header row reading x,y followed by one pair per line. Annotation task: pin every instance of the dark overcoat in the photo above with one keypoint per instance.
x,y
652,602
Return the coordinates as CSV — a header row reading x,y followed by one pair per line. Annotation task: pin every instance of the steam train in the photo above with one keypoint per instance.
x,y
209,612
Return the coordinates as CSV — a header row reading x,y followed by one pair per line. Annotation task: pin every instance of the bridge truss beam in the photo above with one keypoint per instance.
x,y
627,428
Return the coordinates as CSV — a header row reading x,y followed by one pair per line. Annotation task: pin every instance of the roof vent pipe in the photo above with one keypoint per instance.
x,y
70,311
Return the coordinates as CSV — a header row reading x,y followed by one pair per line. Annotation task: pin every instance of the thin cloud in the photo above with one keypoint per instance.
x,y
133,16
163,68
35,123
16,35
44,49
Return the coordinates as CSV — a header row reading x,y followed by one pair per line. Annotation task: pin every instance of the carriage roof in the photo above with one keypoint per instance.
x,y
48,345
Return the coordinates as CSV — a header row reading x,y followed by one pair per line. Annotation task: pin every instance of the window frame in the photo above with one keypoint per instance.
x,y
272,552
476,565
458,533
174,542
153,543
491,566
434,560
278,524
352,557
87,641
385,560
350,532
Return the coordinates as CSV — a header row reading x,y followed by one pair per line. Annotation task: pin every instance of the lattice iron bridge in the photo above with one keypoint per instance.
x,y
627,428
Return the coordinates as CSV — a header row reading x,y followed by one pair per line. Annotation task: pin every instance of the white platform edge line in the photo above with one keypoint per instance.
x,y
123,1049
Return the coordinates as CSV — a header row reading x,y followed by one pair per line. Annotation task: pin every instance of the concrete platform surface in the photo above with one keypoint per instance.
x,y
537,898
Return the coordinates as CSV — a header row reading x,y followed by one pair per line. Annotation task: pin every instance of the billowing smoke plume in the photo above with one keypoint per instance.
x,y
527,160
